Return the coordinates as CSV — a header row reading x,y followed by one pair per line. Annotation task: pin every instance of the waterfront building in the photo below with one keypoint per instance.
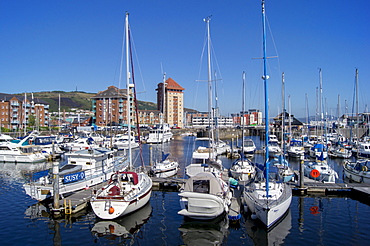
x,y
110,109
247,118
172,106
18,111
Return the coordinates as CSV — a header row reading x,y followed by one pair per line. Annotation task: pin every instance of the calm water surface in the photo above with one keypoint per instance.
x,y
310,221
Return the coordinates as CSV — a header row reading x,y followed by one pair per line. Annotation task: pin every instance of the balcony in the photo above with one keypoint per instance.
x,y
14,122
15,116
15,110
16,104
46,106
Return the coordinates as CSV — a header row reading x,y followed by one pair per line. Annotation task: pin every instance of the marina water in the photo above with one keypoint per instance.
x,y
310,221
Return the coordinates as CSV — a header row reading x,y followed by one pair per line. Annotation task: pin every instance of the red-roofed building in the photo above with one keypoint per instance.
x,y
173,106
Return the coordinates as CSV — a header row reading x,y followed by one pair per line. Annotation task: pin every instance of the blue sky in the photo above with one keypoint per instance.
x,y
61,45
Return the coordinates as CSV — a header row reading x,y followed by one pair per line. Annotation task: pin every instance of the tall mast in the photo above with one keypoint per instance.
x,y
283,113
128,90
210,118
265,77
242,117
357,118
320,98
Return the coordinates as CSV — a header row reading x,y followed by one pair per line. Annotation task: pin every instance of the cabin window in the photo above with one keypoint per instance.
x,y
201,186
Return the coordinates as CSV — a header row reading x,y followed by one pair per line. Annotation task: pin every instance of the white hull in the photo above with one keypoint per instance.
x,y
204,197
326,173
165,169
43,187
124,146
125,227
359,175
268,211
158,138
201,206
32,158
242,170
131,197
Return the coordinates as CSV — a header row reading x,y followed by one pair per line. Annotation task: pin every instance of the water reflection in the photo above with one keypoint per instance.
x,y
23,170
274,236
125,227
195,232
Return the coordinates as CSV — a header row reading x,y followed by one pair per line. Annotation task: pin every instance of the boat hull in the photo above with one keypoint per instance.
x,y
268,212
201,206
359,176
43,188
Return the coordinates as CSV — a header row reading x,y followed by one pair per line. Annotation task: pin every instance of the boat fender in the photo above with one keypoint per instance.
x,y
111,210
365,169
253,216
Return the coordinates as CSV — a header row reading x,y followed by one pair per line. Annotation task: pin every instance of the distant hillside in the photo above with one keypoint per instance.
x,y
77,99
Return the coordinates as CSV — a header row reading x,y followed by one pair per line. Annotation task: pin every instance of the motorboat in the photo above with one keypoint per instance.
x,y
204,159
79,144
122,141
84,168
295,149
160,133
221,147
339,152
204,197
21,154
363,149
249,147
358,171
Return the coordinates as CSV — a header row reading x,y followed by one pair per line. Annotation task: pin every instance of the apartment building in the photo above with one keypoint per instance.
x,y
17,112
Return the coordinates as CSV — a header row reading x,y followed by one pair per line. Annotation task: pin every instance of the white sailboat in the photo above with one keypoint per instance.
x,y
242,169
125,192
204,159
267,198
205,196
165,167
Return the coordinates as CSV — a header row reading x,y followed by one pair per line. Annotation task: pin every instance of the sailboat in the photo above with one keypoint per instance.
x,y
165,167
204,159
242,169
205,195
280,161
266,197
130,190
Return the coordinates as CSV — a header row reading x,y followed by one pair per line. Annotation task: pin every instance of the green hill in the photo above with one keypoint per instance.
x,y
77,99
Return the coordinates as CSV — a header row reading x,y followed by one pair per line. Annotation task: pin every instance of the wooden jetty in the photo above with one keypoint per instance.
x,y
359,191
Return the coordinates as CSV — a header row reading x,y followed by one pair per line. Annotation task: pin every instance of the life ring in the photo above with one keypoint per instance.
x,y
365,169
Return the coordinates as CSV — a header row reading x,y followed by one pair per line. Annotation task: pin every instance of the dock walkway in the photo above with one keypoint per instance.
x,y
79,200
